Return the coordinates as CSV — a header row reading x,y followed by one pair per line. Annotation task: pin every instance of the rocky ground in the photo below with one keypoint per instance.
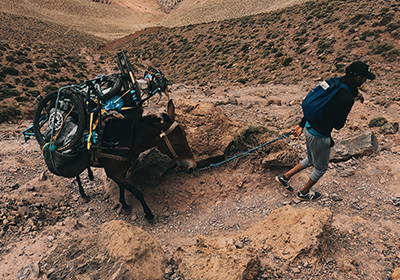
x,y
40,212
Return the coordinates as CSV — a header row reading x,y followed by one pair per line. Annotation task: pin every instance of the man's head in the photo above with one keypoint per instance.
x,y
360,72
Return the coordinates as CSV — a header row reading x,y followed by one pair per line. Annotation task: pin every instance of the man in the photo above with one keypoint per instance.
x,y
318,133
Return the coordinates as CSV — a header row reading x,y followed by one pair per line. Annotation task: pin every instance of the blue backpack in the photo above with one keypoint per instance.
x,y
314,103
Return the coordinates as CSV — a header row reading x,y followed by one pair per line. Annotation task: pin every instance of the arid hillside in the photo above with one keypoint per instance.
x,y
306,41
108,21
237,83
195,11
114,19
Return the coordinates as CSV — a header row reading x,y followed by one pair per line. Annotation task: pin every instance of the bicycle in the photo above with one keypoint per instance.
x,y
62,116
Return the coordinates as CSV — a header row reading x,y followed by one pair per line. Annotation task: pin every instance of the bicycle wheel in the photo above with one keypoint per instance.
x,y
110,86
61,116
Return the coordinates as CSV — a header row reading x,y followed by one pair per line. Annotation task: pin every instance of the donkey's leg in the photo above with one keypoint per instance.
x,y
139,196
81,190
90,174
118,174
125,205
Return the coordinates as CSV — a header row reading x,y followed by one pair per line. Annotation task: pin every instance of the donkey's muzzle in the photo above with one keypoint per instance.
x,y
187,164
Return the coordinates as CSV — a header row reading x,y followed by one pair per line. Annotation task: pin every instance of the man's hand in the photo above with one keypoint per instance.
x,y
360,96
297,130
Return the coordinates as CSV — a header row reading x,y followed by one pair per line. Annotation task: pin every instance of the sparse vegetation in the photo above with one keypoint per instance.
x,y
379,121
8,112
247,51
241,47
248,137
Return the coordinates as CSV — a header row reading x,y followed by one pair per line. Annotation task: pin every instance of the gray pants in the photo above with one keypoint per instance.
x,y
318,153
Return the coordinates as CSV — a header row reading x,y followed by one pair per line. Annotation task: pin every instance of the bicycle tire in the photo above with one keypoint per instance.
x,y
69,119
110,86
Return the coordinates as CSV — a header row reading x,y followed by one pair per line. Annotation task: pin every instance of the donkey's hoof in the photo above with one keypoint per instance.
x,y
126,210
149,216
85,199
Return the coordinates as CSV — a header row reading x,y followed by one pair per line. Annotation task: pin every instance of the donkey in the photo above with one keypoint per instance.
x,y
127,139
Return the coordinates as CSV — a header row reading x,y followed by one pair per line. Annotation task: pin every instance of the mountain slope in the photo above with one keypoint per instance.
x,y
310,40
122,17
304,42
199,11
102,20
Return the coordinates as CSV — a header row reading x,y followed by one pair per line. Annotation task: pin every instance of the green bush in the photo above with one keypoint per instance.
x,y
393,26
7,91
10,71
49,88
381,48
242,80
21,98
379,121
287,61
247,138
10,58
28,82
41,65
8,112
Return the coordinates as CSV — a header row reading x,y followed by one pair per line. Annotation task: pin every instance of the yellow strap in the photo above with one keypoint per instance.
x,y
121,96
169,130
164,135
89,144
126,108
132,78
171,149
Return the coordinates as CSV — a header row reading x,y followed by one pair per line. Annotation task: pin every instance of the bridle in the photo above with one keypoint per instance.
x,y
164,135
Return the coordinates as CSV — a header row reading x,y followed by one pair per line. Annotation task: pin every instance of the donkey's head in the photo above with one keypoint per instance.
x,y
172,140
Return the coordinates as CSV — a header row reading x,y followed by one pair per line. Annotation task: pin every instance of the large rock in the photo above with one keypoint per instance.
x,y
289,232
213,136
209,130
150,167
135,248
216,259
363,144
280,154
116,250
396,274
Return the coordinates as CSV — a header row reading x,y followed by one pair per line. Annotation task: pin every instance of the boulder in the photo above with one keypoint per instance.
x,y
396,274
209,130
363,144
280,154
289,232
215,259
150,167
116,250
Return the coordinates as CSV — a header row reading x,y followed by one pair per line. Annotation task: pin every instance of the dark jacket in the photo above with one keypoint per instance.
x,y
337,109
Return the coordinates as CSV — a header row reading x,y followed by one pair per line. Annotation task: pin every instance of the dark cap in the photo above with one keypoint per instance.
x,y
359,68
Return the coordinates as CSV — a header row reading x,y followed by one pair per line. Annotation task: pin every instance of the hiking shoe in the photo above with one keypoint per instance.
x,y
284,182
310,196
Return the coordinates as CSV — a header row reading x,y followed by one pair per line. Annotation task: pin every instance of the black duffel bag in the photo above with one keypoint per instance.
x,y
66,164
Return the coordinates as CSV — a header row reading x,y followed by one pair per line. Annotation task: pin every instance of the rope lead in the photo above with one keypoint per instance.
x,y
287,134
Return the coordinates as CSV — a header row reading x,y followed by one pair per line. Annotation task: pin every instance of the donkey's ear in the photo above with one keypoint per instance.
x,y
171,110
